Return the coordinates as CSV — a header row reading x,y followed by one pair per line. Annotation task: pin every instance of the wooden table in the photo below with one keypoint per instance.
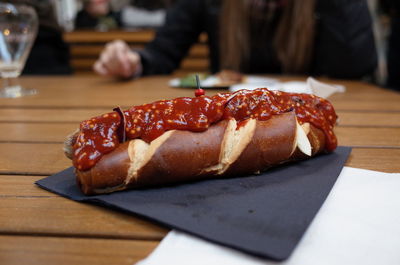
x,y
39,227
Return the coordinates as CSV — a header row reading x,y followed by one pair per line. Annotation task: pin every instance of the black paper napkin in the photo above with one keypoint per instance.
x,y
264,215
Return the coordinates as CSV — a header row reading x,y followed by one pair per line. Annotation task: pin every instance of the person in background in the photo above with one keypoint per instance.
x,y
152,4
145,14
314,37
49,54
97,14
392,7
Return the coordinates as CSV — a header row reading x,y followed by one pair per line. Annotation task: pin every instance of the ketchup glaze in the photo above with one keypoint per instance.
x,y
99,135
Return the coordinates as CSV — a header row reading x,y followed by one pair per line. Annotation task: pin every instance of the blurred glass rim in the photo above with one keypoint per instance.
x,y
17,9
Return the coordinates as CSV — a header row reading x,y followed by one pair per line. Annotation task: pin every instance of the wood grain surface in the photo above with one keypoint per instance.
x,y
28,209
56,133
39,227
17,250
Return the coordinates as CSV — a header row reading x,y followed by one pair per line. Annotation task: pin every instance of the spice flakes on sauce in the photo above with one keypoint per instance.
x,y
99,135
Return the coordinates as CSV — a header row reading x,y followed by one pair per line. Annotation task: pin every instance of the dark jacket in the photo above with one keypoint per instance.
x,y
50,55
393,57
344,43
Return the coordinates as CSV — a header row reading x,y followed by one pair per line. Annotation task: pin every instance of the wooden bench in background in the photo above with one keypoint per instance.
x,y
87,45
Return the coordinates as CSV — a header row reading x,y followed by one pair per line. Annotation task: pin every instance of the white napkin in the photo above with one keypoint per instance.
x,y
311,86
359,223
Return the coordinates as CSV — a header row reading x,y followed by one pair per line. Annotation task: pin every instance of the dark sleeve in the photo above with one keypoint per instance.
x,y
84,20
182,28
344,46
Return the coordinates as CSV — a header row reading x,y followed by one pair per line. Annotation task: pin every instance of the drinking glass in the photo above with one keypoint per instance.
x,y
18,29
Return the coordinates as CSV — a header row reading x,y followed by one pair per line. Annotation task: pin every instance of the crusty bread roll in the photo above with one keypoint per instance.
x,y
221,151
227,148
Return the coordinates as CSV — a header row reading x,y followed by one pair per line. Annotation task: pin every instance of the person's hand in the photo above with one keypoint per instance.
x,y
118,60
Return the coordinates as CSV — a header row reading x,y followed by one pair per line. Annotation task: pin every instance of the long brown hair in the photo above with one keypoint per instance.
x,y
293,39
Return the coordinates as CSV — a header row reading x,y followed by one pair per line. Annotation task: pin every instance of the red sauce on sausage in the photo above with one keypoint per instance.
x,y
99,136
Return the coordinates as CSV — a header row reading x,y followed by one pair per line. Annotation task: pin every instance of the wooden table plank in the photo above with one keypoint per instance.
x,y
57,132
368,105
92,92
36,132
365,97
69,251
22,186
368,137
368,119
134,36
29,115
47,159
45,115
90,36
385,160
28,209
32,159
